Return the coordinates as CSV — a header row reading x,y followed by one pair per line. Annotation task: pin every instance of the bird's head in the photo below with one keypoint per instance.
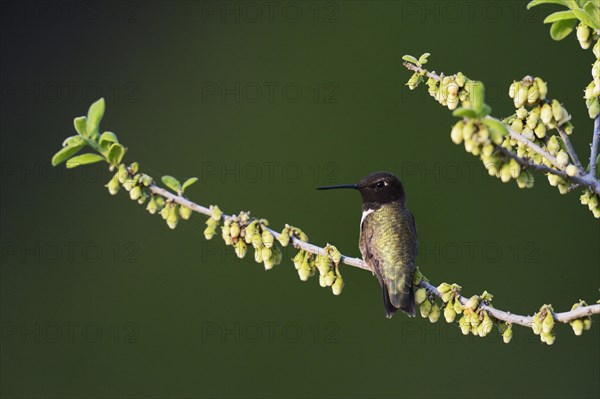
x,y
377,188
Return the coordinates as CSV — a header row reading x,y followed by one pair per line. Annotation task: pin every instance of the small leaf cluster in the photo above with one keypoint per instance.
x,y
106,145
416,77
564,22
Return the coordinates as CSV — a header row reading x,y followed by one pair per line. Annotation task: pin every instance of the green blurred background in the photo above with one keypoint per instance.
x,y
264,102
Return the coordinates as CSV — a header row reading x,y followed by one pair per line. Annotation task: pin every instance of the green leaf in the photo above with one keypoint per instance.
x,y
73,141
559,16
535,3
593,10
464,113
561,29
477,96
84,159
81,125
423,58
66,153
567,3
107,138
95,114
115,153
498,129
590,15
188,183
172,183
485,111
411,59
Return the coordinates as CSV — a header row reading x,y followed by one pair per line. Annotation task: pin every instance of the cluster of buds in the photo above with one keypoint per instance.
x,y
129,178
328,266
584,323
476,320
592,200
592,91
528,91
450,91
290,232
480,138
585,36
451,297
543,324
213,222
240,231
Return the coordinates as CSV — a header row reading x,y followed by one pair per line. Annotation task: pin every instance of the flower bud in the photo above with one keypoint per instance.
x,y
266,253
513,89
577,326
456,134
540,131
172,219
337,285
449,313
135,193
465,326
542,87
240,249
507,335
571,170
562,158
185,212
472,303
434,314
267,238
425,309
258,255
113,185
533,95
420,295
517,125
443,288
209,232
284,238
583,35
594,108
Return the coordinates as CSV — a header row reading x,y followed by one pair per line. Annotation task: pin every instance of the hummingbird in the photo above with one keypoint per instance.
x,y
388,238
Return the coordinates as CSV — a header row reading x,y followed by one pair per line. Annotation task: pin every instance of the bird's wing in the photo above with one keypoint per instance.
x,y
413,226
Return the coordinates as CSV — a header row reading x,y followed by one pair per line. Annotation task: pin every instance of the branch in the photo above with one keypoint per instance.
x,y
594,151
585,179
508,317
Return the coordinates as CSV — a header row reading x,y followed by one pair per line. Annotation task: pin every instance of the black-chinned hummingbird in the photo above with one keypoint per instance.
x,y
388,238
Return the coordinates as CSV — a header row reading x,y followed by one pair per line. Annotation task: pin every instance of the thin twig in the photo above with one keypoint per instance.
x,y
594,151
565,138
508,317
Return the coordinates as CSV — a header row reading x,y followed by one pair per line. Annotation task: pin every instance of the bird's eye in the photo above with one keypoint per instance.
x,y
381,184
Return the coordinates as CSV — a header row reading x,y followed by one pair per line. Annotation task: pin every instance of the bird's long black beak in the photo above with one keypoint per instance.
x,y
335,187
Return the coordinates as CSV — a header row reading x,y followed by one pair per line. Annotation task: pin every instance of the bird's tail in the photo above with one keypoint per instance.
x,y
390,309
403,300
